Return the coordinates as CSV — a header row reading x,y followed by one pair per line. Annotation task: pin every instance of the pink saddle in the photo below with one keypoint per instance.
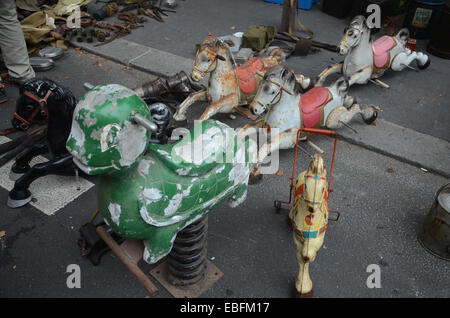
x,y
311,103
381,48
247,74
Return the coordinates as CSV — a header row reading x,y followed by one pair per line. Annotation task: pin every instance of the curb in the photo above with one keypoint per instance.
x,y
400,143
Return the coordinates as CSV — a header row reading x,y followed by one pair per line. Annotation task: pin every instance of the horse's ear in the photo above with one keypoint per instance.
x,y
291,78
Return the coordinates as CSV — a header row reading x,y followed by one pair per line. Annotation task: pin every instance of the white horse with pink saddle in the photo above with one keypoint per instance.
x,y
288,110
367,60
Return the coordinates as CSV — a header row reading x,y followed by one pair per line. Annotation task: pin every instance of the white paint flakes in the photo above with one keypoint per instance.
x,y
115,211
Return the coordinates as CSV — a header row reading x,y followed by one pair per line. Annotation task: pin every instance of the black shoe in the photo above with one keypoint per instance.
x,y
13,81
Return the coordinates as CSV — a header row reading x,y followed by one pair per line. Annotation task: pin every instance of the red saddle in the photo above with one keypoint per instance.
x,y
381,48
247,74
311,105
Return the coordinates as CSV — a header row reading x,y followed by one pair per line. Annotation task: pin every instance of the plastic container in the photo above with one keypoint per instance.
x,y
422,16
302,4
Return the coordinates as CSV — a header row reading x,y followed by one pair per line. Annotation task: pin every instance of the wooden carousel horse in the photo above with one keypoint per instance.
x,y
42,100
229,85
366,60
288,110
309,220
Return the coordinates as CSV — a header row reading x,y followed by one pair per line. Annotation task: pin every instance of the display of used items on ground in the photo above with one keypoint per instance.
x,y
172,190
50,23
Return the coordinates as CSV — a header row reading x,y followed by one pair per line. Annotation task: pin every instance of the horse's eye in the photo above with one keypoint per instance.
x,y
29,107
350,33
273,92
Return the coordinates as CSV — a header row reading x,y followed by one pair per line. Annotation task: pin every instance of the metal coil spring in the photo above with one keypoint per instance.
x,y
187,260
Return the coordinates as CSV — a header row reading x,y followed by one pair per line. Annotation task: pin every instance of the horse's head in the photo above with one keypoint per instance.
x,y
353,34
110,129
210,52
36,97
315,184
340,87
278,79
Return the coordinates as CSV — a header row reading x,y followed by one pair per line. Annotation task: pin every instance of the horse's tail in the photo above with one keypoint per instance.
x,y
403,36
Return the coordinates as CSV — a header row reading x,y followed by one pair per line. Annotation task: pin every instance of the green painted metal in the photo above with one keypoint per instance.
x,y
149,191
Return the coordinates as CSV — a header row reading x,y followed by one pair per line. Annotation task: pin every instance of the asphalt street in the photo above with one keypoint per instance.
x,y
382,202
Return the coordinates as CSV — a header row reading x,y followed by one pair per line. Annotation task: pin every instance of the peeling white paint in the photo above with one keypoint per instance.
x,y
78,135
152,221
175,202
131,142
115,211
151,195
183,171
144,166
203,148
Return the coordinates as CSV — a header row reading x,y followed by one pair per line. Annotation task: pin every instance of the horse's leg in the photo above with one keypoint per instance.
x,y
22,164
336,68
403,59
362,76
303,283
249,128
285,140
230,101
20,195
341,115
199,96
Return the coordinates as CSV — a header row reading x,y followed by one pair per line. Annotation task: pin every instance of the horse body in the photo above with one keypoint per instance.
x,y
309,220
366,60
289,110
42,100
229,85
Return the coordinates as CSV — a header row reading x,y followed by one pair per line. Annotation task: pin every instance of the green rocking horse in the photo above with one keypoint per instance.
x,y
150,191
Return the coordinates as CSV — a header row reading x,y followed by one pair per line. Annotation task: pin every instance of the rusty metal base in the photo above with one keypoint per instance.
x,y
212,275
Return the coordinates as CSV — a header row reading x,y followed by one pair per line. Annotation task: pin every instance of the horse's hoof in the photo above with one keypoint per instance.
x,y
255,179
18,198
370,120
424,66
17,171
296,294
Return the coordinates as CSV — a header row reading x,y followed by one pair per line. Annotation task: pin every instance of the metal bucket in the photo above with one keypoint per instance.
x,y
435,233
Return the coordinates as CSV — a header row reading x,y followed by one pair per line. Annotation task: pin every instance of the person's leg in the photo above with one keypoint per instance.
x,y
12,42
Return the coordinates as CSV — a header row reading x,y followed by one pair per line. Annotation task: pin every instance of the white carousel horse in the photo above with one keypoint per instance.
x,y
229,85
367,60
309,220
289,110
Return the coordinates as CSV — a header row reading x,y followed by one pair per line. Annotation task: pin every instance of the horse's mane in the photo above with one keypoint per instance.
x,y
211,40
40,86
277,71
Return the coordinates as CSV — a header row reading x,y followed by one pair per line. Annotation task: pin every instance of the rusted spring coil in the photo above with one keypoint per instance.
x,y
187,260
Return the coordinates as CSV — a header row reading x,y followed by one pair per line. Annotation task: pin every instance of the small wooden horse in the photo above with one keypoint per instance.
x,y
41,100
289,110
309,220
366,60
229,85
